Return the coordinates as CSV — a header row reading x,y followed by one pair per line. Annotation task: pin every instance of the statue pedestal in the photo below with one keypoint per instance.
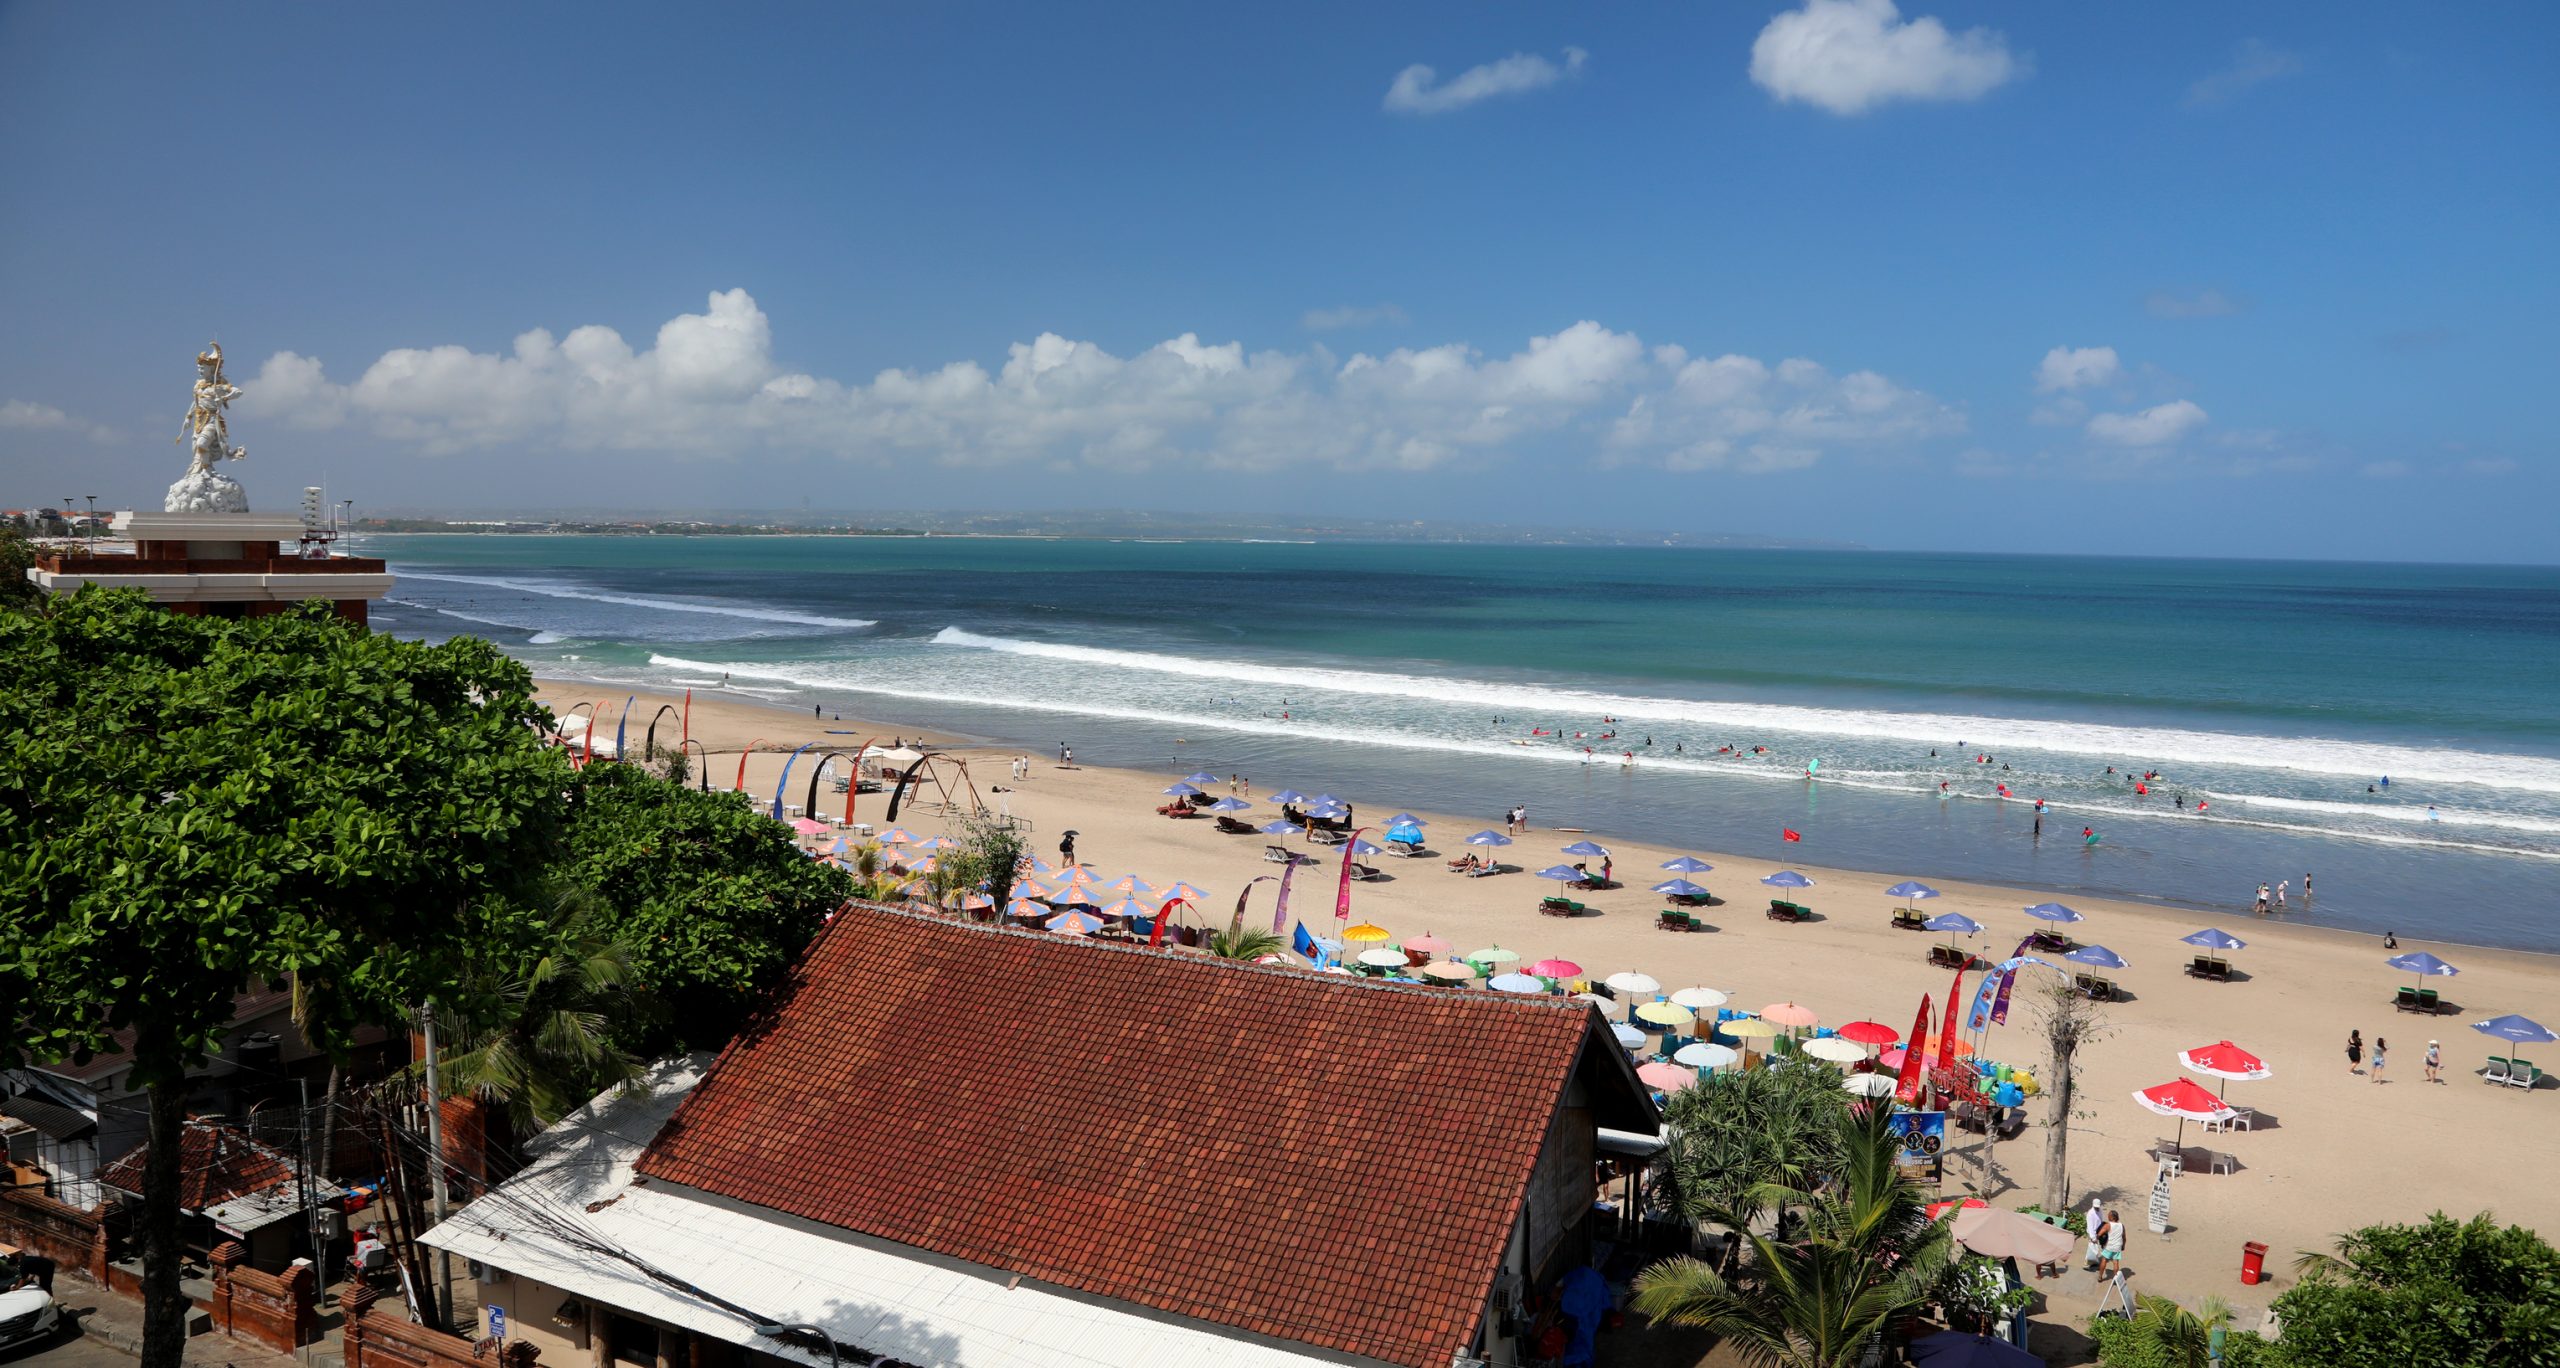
x,y
204,491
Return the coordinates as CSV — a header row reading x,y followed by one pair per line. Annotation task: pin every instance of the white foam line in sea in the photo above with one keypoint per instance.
x,y
548,589
2154,745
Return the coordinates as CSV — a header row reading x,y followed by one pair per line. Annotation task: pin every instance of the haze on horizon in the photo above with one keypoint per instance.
x,y
2186,280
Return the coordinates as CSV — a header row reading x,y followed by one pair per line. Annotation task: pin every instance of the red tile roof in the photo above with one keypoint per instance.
x,y
1304,1156
215,1164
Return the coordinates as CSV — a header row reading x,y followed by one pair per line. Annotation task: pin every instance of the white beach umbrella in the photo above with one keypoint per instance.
x,y
1632,982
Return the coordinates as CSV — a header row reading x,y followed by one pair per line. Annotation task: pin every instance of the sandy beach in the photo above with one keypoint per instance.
x,y
2330,1150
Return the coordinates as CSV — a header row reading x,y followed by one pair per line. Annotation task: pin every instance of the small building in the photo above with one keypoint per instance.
x,y
231,1188
962,1144
218,565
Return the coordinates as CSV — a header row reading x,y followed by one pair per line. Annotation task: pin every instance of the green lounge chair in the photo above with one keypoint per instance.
x,y
2522,1074
2499,1070
2428,1002
2406,1000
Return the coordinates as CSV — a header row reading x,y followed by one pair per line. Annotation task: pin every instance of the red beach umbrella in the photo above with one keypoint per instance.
x,y
1868,1033
2222,1059
2185,1101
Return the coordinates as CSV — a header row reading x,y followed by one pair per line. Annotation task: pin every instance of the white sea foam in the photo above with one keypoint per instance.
x,y
545,639
2390,811
2155,745
550,589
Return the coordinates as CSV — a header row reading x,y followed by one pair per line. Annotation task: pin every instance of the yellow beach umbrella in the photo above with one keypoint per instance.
x,y
1365,934
1665,1014
1748,1028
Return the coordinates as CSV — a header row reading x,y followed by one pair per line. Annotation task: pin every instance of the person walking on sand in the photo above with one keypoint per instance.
x,y
2379,1046
2097,1231
2355,1052
2435,1062
2115,1245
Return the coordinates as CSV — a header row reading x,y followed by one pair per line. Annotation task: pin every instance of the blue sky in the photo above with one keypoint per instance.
x,y
2208,279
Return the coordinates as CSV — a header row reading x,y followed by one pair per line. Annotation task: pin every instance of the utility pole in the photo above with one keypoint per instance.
x,y
441,1303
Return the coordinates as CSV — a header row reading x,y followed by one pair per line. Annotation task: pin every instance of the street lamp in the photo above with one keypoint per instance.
x,y
93,522
775,1332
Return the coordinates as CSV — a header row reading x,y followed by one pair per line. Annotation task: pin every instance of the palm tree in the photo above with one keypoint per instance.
x,y
1866,1253
1243,943
534,1035
2177,1337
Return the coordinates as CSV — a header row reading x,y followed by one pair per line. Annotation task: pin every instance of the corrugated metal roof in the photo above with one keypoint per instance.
x,y
578,1194
58,1123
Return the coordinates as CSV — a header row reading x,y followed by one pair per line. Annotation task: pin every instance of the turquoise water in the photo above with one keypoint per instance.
x,y
2273,694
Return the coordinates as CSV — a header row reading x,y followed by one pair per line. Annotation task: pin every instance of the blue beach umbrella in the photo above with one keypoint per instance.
x,y
2521,1030
1560,873
1586,849
1288,796
1367,848
1203,777
1787,878
2422,964
2213,939
1229,805
1278,827
1687,864
1128,907
2098,955
1025,907
1326,800
1406,819
1489,837
1078,923
2053,912
1182,791
1954,923
1328,811
1910,891
1680,888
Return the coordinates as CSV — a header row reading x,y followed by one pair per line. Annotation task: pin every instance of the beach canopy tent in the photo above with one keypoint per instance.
x,y
1911,891
2212,938
1489,838
1706,1054
2098,955
1687,864
2224,1060
2053,912
2521,1030
1230,805
1680,888
1704,999
1587,849
1787,878
1405,835
1516,983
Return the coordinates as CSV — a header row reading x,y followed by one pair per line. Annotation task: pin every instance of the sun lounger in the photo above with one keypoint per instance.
x,y
2096,989
1407,849
1233,827
2499,1070
1280,854
1782,910
2407,1000
2522,1074
1365,873
1691,899
1673,919
1909,919
1561,907
1488,867
2428,1002
1948,956
2207,967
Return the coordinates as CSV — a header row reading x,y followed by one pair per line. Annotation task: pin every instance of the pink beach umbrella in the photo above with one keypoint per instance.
x,y
1546,968
1788,1014
1429,944
1667,1077
806,827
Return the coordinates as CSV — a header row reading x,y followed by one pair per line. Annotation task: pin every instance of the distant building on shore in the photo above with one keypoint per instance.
x,y
218,565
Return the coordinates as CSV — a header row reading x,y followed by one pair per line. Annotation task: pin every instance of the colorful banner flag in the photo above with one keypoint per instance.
x,y
1906,1083
1978,1017
688,718
1790,833
1947,1037
622,728
2000,1008
1342,896
1164,914
1280,909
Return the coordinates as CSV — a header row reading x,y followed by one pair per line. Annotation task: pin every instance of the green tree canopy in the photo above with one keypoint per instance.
x,y
2464,1294
1738,1132
710,898
189,804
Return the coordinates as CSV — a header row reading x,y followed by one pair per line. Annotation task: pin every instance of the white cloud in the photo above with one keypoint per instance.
x,y
2065,369
1418,89
1849,56
1351,316
712,387
2253,63
26,415
2204,303
2489,465
2158,425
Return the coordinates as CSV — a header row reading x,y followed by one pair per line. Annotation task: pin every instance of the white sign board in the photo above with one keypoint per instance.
x,y
2160,1202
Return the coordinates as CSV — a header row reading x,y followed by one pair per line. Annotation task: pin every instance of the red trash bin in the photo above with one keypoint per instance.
x,y
2253,1263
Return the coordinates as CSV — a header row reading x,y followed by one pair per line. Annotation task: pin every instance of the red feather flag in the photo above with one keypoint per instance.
x,y
1947,1037
1906,1083
1791,833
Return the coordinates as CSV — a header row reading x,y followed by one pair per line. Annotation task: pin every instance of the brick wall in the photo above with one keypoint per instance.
x,y
77,1241
273,1309
377,1338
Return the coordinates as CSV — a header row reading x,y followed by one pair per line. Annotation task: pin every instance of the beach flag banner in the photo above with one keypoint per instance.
x,y
1906,1083
2000,1005
1236,924
1978,1017
785,781
1342,896
1791,833
688,718
622,728
1947,1037
1305,943
1280,909
1164,915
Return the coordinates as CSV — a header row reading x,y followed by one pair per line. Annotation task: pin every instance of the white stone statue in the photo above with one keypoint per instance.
x,y
207,431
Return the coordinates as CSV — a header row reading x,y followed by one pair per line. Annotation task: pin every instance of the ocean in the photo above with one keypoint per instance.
x,y
2270,699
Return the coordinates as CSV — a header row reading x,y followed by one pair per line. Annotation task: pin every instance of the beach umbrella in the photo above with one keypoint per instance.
x,y
1666,1077
1515,983
1382,959
1075,876
1868,1033
1448,971
1560,873
806,827
1278,827
1587,849
1229,805
1937,1209
1701,999
1953,924
1679,888
2225,1061
1037,867
1705,1054
1183,891
937,843
2212,939
1747,1028
1787,878
1988,1230
1964,1349
2521,1030
924,866
1687,864
1911,890
1492,955
1326,800
1130,885
1200,777
1489,838
1627,1035
1428,944
1288,796
2098,955
1788,1014
1024,907
1664,1014
1128,907
1834,1049
2053,912
1365,934
1556,969
1329,812
977,902
1365,847
1605,1005
1630,982
1869,1084
1180,791
2185,1101
2422,964
1406,819
896,836
1075,923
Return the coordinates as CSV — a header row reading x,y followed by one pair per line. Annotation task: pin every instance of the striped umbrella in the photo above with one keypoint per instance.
x,y
1075,923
